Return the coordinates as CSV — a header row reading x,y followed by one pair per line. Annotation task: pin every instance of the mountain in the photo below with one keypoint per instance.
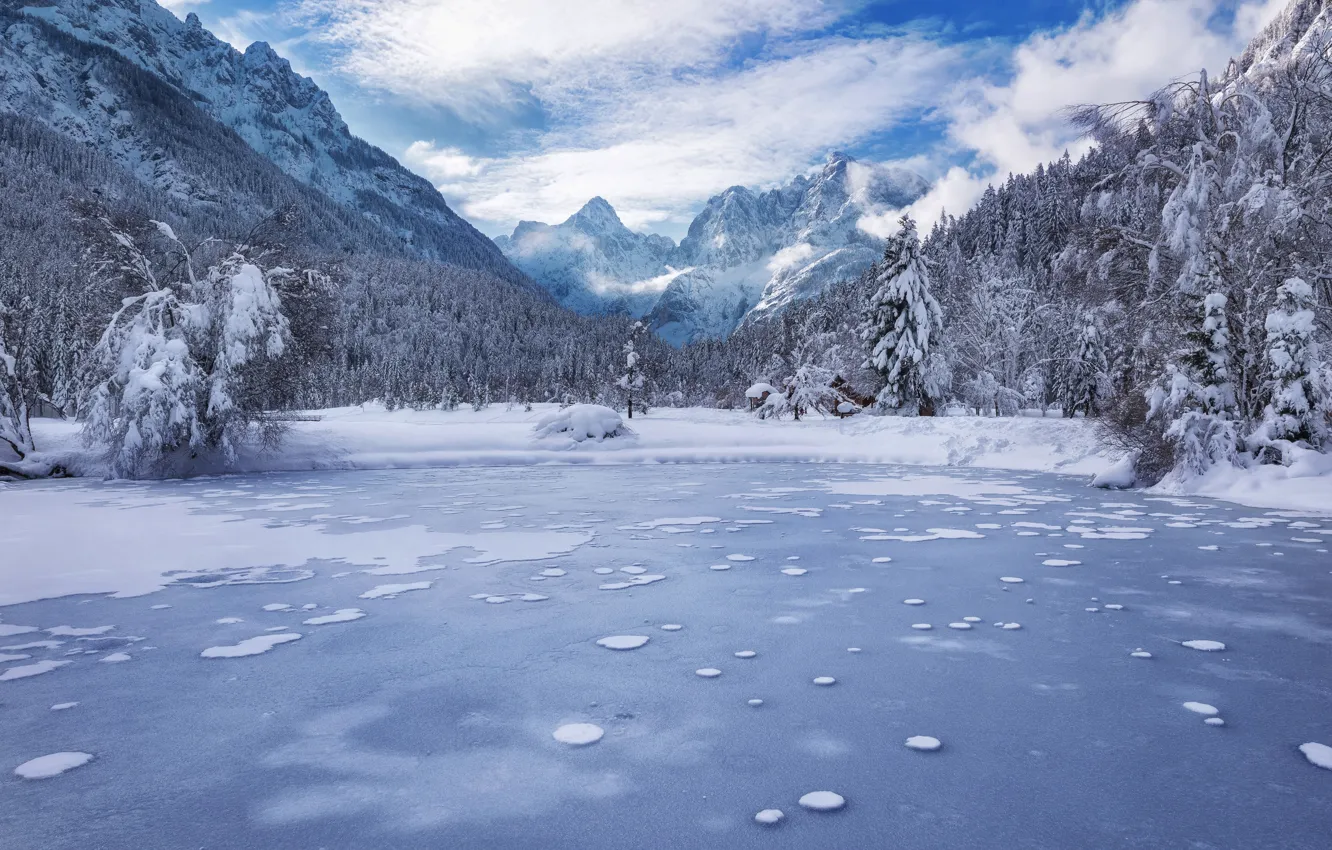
x,y
747,254
591,262
281,115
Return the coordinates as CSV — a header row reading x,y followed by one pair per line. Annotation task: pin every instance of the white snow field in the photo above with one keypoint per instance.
x,y
335,668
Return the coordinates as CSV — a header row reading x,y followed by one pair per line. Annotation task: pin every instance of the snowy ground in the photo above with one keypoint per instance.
x,y
369,437
419,659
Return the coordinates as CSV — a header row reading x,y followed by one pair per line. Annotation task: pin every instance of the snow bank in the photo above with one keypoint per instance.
x,y
370,437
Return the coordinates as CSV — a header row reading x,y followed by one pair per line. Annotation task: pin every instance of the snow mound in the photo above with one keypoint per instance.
x,y
1120,476
924,743
623,642
708,672
45,767
1319,755
825,681
822,801
768,817
578,734
581,422
1202,708
1205,645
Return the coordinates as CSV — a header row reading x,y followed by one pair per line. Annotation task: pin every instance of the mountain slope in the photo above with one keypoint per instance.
x,y
747,254
283,116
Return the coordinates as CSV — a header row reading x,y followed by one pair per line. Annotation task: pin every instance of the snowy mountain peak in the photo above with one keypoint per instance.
x,y
597,216
746,253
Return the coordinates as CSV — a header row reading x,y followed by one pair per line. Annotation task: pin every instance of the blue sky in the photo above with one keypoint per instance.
x,y
525,109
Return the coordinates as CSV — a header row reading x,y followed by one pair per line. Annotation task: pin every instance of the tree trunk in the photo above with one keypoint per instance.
x,y
927,407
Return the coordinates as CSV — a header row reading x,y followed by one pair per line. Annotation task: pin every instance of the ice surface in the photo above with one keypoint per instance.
x,y
46,767
432,723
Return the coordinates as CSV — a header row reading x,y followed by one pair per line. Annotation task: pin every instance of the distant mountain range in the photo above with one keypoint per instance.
x,y
747,254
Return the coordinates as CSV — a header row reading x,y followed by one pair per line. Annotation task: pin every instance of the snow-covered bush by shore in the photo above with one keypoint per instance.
x,y
181,367
580,423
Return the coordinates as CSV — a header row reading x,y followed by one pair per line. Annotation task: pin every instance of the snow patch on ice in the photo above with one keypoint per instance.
x,y
250,646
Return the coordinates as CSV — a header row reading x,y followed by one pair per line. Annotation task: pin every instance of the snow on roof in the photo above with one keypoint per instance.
x,y
759,389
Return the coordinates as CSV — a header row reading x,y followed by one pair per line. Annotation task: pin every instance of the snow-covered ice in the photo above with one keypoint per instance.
x,y
383,591
250,646
342,615
27,670
822,801
623,642
578,734
46,767
1319,755
1205,645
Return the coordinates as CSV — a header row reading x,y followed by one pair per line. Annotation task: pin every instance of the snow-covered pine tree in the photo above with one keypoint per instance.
x,y
811,390
1195,399
15,431
1084,384
901,325
631,382
1298,406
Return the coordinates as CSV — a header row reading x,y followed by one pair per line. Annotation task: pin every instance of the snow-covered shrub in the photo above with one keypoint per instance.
x,y
582,422
174,373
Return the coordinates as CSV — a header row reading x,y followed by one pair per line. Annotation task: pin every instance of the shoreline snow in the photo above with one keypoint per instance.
x,y
369,437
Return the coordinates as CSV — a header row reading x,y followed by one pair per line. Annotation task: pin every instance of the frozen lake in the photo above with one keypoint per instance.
x,y
449,620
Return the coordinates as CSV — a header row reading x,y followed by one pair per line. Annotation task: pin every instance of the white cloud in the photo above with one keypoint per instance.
x,y
645,104
657,154
483,56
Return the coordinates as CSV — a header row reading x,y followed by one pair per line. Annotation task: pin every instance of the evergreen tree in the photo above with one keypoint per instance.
x,y
1084,385
15,431
1194,399
631,382
901,325
1297,410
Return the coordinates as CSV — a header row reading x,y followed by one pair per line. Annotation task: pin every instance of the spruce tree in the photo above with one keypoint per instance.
x,y
901,325
1297,388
